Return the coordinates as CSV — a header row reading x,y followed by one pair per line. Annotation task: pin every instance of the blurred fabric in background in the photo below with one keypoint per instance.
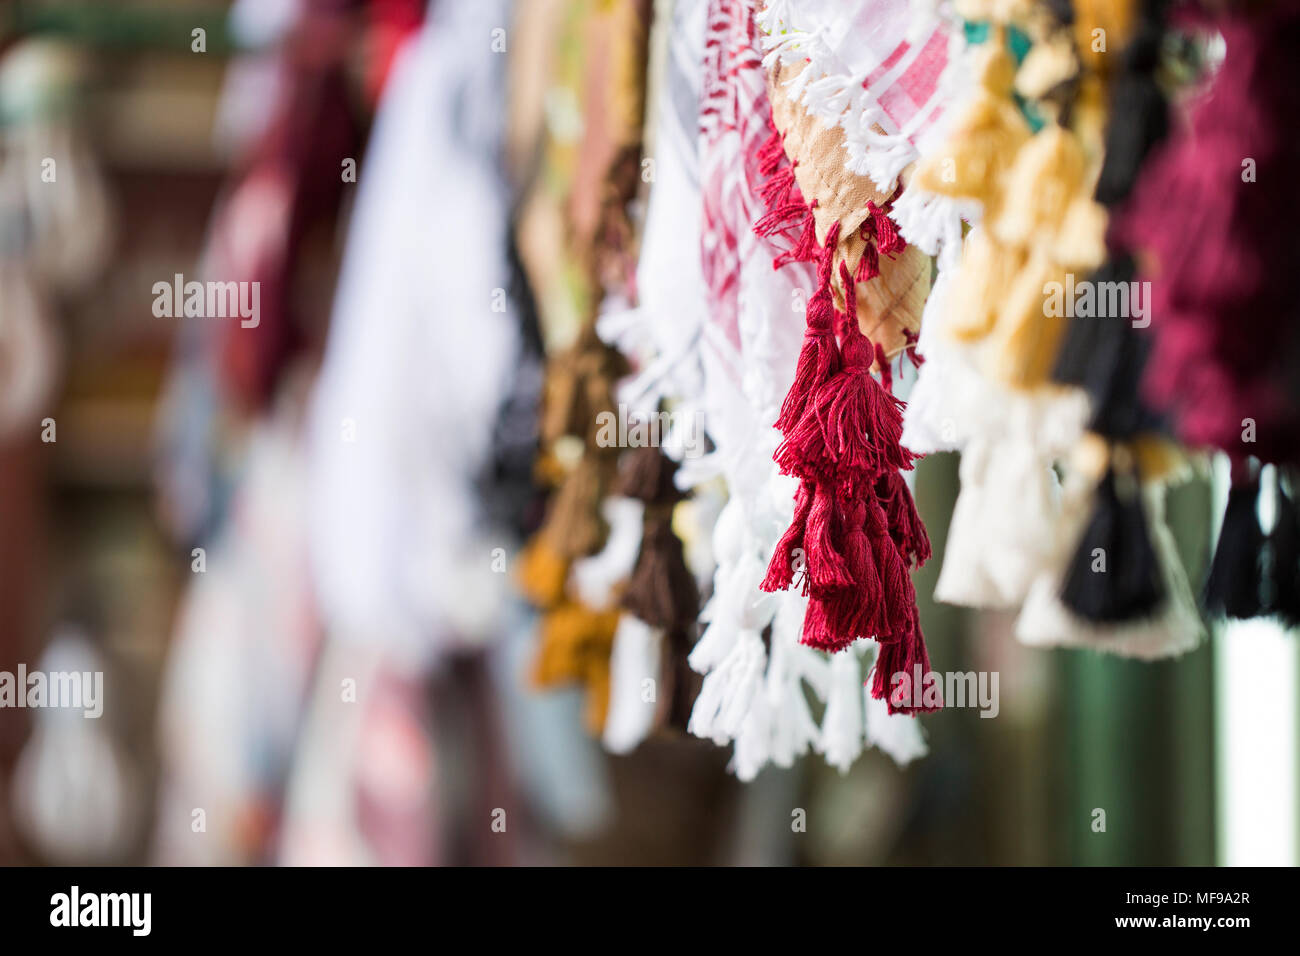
x,y
275,539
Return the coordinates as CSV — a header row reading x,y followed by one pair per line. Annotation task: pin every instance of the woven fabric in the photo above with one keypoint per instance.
x,y
874,67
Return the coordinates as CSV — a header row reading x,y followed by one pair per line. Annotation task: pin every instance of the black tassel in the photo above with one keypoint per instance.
x,y
1126,586
1139,112
1284,561
1233,586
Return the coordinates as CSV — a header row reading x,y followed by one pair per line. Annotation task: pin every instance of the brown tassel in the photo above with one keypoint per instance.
x,y
661,590
647,475
574,526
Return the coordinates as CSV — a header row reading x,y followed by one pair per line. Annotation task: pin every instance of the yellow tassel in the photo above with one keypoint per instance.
x,y
575,646
1027,337
974,162
1049,63
987,270
542,573
1046,176
571,633
1080,242
1101,29
1159,459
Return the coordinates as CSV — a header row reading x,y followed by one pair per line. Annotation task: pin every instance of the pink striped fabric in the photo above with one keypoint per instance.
x,y
735,120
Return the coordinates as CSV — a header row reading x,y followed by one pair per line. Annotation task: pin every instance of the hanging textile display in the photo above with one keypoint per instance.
x,y
913,223
590,174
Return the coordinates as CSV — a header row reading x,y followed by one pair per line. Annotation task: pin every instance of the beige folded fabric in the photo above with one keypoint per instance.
x,y
889,306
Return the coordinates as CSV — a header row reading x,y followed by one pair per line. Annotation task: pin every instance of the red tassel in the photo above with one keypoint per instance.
x,y
781,569
907,656
818,630
905,525
776,191
886,369
898,597
804,454
869,265
853,613
819,359
771,154
861,423
781,218
824,538
805,248
888,239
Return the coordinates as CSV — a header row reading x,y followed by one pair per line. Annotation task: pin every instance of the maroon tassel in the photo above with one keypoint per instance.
x,y
771,154
905,525
819,358
853,613
860,422
781,569
827,570
898,597
906,655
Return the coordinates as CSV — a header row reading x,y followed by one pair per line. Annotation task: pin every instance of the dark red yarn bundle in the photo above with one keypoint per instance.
x,y
855,535
1214,217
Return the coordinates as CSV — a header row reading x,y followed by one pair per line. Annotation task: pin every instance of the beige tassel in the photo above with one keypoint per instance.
x,y
974,163
1027,338
1046,176
980,287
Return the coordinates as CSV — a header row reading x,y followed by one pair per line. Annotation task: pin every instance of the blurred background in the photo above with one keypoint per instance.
x,y
159,487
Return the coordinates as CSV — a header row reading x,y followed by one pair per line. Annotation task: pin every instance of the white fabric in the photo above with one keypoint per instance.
x,y
418,359
755,693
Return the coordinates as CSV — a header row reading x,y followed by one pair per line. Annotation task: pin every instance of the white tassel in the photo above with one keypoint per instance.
x,y
1021,508
729,690
794,731
595,578
634,661
933,224
899,736
964,580
842,724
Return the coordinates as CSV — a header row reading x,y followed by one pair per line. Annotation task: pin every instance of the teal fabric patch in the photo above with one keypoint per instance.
x,y
1018,44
